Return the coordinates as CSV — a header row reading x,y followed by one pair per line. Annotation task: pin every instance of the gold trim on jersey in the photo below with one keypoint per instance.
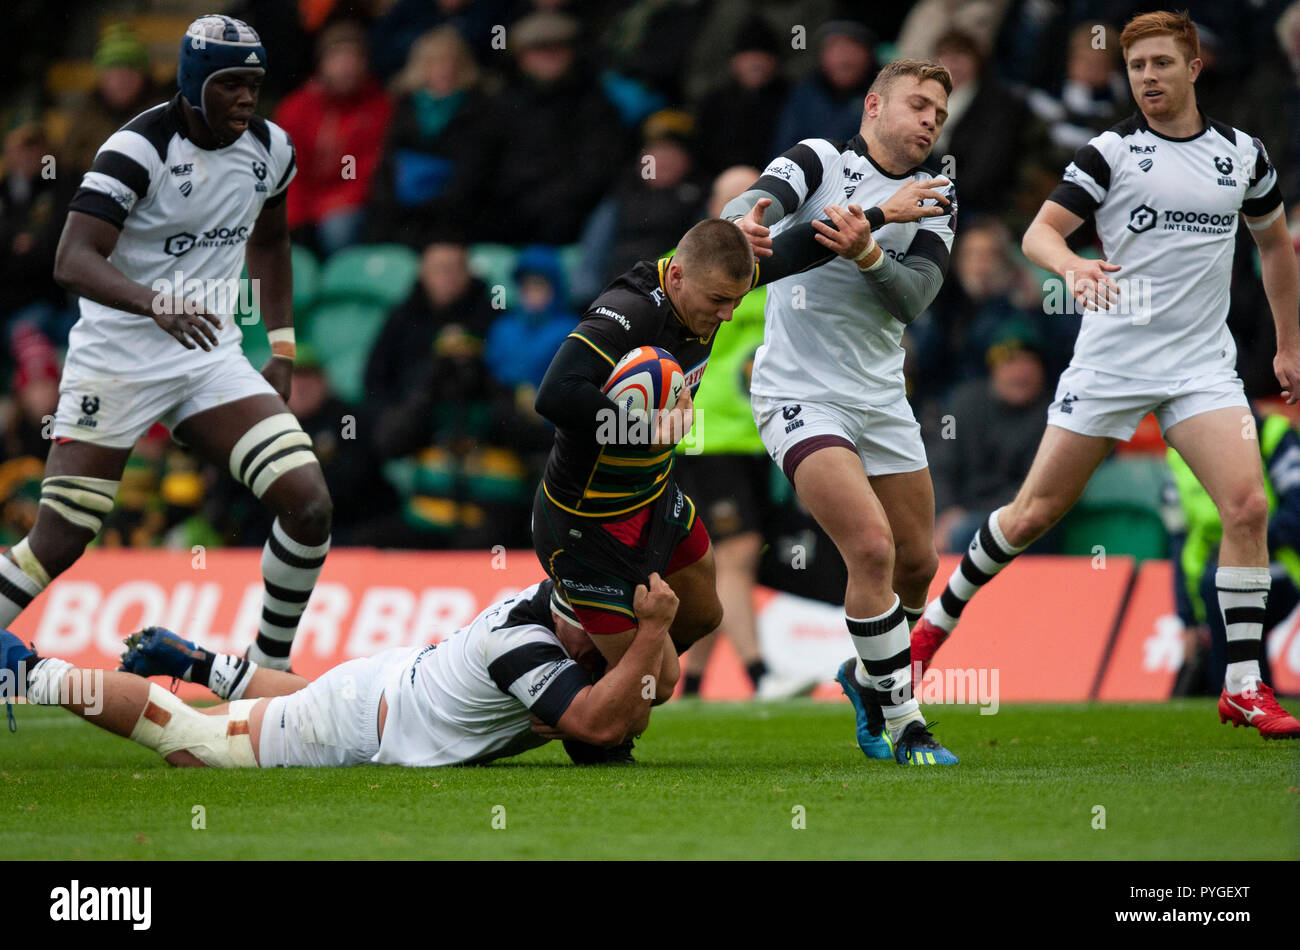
x,y
600,514
579,336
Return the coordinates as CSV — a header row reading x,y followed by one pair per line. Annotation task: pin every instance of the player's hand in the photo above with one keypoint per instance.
x,y
545,731
905,204
752,227
1089,284
190,325
1286,367
656,605
279,373
851,234
671,426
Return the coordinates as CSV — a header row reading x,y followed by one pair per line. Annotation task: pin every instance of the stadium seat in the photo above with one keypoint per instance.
x,y
494,264
306,280
342,332
1120,510
255,344
378,273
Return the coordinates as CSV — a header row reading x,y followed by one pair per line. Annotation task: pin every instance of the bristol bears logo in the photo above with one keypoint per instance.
x,y
1223,165
789,412
1142,218
178,244
259,169
89,406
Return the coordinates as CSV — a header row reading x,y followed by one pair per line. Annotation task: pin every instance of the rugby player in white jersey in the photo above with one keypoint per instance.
x,y
1166,188
517,676
828,392
176,202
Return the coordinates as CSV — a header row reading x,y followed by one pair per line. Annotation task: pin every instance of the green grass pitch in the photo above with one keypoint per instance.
x,y
712,781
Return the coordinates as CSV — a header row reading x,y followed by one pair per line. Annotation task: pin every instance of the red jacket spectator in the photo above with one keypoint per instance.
x,y
337,123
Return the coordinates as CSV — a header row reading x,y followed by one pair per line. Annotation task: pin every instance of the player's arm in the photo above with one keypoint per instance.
x,y
270,266
783,186
571,394
1282,287
617,707
1079,194
81,267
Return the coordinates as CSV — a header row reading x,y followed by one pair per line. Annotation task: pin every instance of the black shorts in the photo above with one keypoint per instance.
x,y
733,492
597,563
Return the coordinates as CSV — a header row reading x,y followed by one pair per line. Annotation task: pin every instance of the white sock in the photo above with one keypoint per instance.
x,y
885,664
1243,597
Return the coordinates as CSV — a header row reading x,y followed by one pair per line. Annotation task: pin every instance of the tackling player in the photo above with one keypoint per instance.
x,y
828,393
177,199
514,678
1166,188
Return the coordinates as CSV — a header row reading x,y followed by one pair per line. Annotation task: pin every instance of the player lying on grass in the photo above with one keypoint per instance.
x,y
514,678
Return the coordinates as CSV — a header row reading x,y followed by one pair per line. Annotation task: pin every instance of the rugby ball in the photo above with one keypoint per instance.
x,y
646,379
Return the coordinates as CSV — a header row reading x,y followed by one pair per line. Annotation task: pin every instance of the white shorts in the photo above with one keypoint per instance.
x,y
334,720
1102,404
114,412
887,438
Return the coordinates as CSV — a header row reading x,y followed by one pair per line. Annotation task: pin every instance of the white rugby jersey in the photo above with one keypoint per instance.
x,y
468,698
185,214
828,336
1166,211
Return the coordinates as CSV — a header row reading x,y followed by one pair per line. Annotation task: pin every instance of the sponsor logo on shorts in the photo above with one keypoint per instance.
x,y
1067,403
794,425
582,588
789,412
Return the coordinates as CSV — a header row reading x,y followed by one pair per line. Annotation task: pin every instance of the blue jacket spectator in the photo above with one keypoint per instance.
x,y
828,104
524,339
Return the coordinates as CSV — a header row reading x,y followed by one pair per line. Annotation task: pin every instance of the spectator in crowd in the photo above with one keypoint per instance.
x,y
406,21
651,43
437,156
1195,554
1094,97
33,200
337,122
523,340
930,21
352,470
987,289
653,203
445,298
990,433
35,395
986,166
828,104
737,120
123,89
558,141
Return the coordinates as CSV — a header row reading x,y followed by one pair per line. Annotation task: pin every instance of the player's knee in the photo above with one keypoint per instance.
x,y
1246,513
869,554
310,517
915,568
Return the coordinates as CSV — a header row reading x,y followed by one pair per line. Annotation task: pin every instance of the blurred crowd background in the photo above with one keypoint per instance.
x,y
473,172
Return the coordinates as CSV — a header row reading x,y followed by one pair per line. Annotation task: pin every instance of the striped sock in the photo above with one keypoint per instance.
x,y
913,615
289,572
885,664
989,552
17,587
1243,595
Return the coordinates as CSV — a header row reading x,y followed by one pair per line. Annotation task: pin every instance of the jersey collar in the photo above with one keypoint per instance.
x,y
859,145
1206,124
